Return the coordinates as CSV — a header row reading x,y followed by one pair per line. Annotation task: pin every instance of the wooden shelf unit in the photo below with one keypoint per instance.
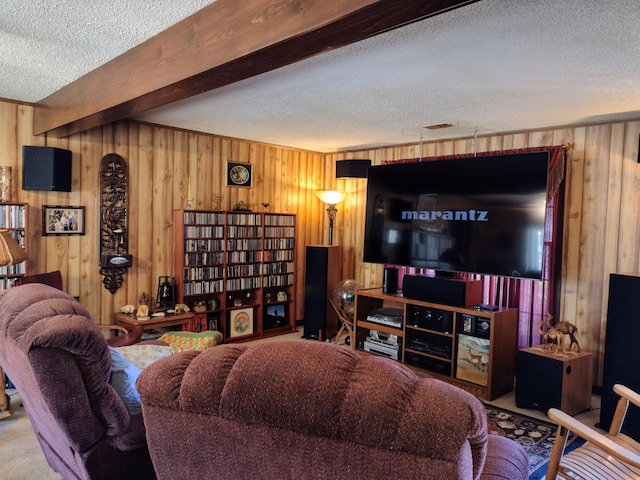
x,y
14,217
474,350
233,266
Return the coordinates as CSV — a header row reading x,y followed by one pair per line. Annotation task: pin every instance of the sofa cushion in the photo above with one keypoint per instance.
x,y
126,364
123,379
143,354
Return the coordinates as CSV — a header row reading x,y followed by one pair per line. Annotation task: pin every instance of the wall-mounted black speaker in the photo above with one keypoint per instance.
x,y
354,168
46,168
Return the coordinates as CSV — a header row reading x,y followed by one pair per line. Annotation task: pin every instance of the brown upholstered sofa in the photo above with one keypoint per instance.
x,y
311,410
59,360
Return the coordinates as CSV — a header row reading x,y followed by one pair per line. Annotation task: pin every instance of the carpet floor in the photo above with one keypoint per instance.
x,y
536,436
22,457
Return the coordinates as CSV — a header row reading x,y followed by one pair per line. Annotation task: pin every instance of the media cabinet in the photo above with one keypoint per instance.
x,y
474,350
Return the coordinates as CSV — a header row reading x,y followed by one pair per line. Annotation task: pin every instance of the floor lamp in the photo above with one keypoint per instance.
x,y
331,198
10,254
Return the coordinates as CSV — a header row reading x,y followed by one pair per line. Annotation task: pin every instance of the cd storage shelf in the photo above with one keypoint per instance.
x,y
475,351
235,270
13,216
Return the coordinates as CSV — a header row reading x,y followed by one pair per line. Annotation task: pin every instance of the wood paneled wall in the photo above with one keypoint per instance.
x,y
161,161
602,223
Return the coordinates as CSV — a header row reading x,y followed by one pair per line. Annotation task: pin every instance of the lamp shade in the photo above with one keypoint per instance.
x,y
10,252
330,197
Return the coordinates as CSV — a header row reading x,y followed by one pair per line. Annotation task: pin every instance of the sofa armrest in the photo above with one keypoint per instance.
x,y
506,460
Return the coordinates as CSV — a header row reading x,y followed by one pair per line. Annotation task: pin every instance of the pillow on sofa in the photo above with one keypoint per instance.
x,y
123,379
126,364
142,355
181,341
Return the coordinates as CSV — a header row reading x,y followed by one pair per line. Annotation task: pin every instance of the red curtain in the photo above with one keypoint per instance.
x,y
533,298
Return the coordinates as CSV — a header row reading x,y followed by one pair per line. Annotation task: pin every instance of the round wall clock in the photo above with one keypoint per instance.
x,y
238,174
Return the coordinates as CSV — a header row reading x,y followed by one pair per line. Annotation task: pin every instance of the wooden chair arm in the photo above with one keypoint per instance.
x,y
113,327
627,393
129,337
603,441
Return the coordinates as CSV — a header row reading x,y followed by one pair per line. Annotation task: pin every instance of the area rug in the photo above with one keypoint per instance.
x,y
536,436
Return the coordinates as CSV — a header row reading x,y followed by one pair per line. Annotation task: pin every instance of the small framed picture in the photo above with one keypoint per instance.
x,y
275,316
62,220
468,323
241,322
212,321
239,174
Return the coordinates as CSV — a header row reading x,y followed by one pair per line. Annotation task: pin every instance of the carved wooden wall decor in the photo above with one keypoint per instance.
x,y
114,244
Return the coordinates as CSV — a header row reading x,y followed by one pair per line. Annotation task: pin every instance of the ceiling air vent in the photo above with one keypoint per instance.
x,y
438,126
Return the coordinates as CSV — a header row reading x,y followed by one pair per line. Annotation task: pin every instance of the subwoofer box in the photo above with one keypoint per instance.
x,y
46,169
456,292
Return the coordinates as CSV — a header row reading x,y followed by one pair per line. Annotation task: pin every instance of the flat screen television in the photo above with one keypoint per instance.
x,y
476,215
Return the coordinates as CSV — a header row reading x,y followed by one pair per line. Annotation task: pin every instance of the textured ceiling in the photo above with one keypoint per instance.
x,y
492,66
47,44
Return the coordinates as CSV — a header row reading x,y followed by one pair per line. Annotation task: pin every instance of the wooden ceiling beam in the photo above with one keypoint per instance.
x,y
226,42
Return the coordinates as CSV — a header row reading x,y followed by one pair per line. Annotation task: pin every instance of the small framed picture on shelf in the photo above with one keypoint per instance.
x,y
241,322
62,220
239,174
468,322
275,316
212,322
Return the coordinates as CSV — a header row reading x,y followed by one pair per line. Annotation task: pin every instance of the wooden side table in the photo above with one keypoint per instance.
x,y
131,323
545,379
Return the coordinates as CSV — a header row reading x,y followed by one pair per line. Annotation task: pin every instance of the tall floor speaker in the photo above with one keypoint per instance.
x,y
322,274
621,350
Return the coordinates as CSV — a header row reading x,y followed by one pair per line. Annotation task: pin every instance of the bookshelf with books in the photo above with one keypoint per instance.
x,y
279,270
199,265
237,269
13,216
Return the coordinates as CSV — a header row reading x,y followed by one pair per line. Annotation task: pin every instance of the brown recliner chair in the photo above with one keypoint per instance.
x,y
54,279
313,410
59,361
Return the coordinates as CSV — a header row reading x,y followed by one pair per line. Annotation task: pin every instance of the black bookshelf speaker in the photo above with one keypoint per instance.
x,y
46,169
447,291
390,281
322,274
